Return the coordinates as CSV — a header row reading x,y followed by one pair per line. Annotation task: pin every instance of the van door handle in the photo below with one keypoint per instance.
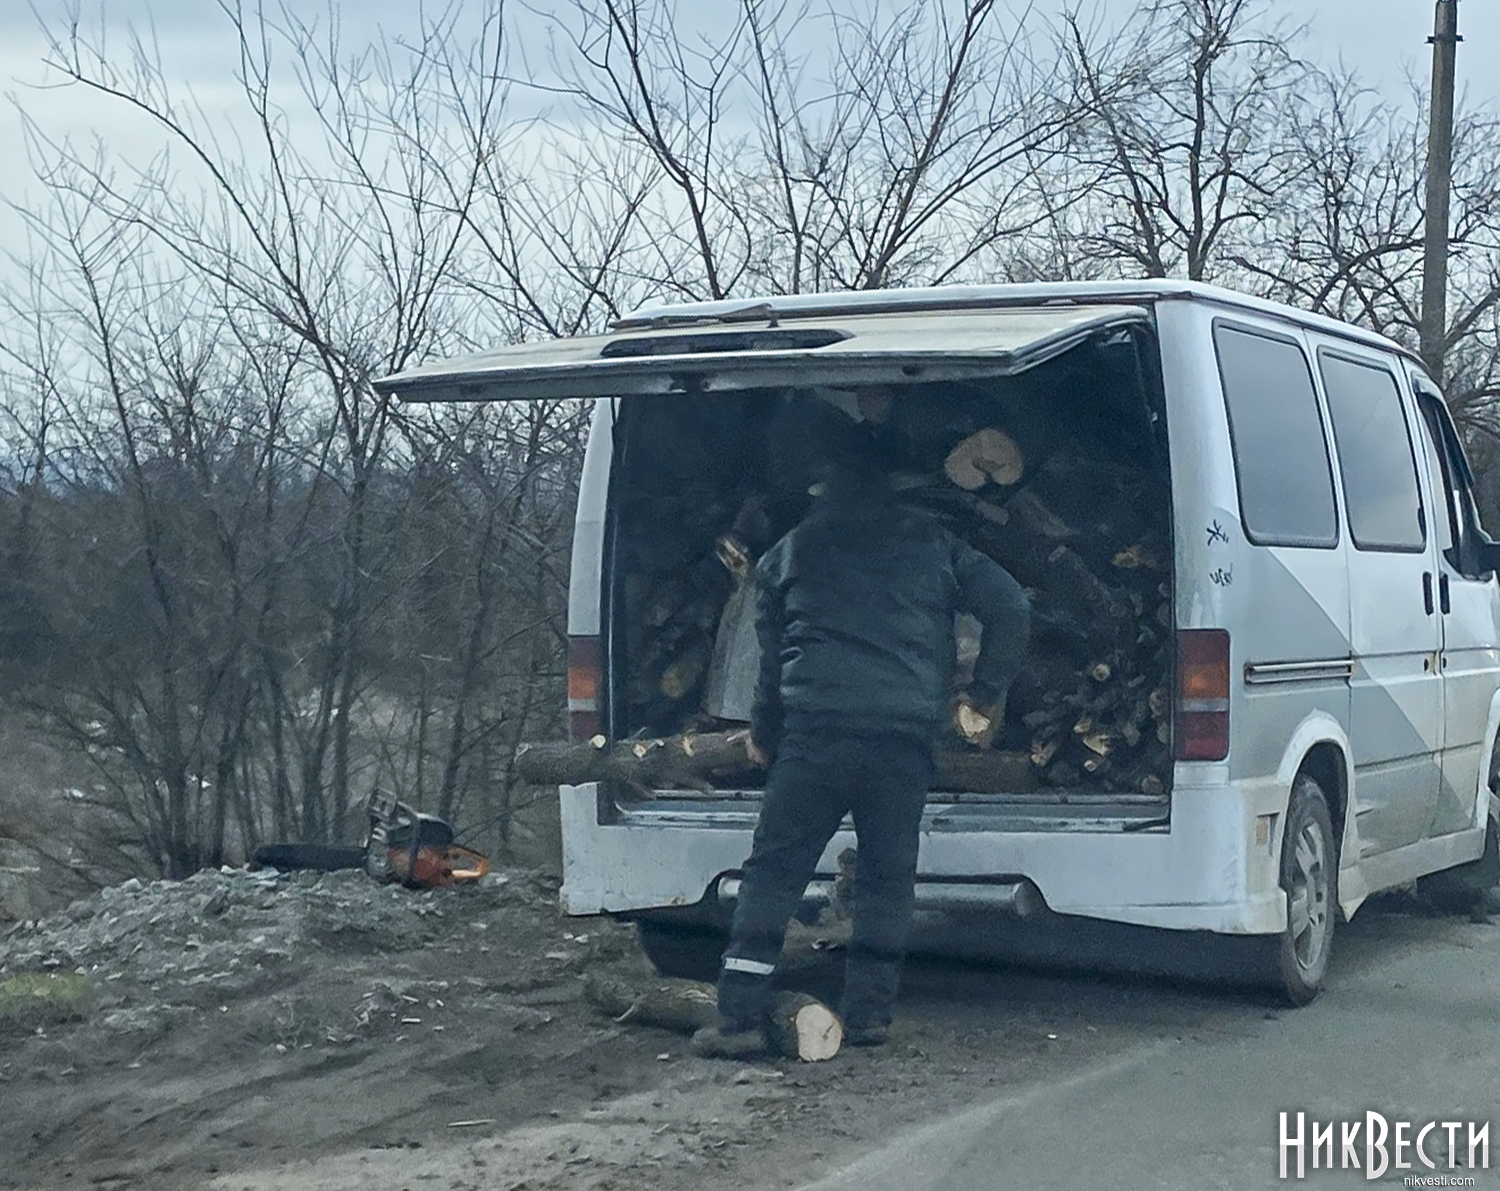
x,y
1443,601
1427,591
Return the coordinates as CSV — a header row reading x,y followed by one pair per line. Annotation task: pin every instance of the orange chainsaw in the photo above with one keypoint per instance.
x,y
415,849
402,845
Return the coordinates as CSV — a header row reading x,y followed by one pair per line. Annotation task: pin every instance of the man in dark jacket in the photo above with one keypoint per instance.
x,y
856,628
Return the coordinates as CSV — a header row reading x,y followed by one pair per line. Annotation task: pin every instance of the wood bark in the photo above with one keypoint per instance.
x,y
682,1006
803,1027
800,1026
694,759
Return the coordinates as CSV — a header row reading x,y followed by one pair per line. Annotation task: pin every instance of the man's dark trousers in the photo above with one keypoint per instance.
x,y
819,776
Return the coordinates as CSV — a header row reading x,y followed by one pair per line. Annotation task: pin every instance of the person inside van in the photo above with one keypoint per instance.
x,y
856,629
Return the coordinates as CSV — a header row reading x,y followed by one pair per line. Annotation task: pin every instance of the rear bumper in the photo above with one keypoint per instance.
x,y
1205,873
1018,899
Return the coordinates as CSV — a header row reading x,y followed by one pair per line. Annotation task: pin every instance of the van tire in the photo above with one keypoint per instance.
x,y
1467,888
689,950
1298,960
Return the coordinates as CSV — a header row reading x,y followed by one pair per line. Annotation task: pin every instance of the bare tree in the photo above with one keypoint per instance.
x,y
267,588
1191,159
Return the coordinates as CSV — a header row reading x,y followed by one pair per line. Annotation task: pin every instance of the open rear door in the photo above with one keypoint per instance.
x,y
752,349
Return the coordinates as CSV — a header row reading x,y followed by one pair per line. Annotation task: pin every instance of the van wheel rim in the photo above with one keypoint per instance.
x,y
1307,900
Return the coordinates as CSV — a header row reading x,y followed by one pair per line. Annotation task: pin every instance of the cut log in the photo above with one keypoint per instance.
x,y
982,771
660,761
803,1027
1042,751
682,1006
1114,618
996,514
1099,743
1033,513
972,722
799,1027
1134,557
691,759
686,670
986,455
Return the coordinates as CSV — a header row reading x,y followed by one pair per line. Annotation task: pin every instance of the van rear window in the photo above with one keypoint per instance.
x,y
1280,453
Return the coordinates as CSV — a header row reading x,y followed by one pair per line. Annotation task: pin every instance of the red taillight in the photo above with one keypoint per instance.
x,y
585,678
1201,724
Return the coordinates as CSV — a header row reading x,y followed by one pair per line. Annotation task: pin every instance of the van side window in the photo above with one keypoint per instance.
x,y
1445,523
1280,453
1375,455
1461,541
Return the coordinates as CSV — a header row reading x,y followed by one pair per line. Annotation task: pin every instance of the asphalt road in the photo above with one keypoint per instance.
x,y
1409,1027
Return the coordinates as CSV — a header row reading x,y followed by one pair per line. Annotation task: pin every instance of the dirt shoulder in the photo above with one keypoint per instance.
x,y
248,1030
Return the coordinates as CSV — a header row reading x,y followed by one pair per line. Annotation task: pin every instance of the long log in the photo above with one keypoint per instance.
x,y
694,758
799,1027
983,771
682,1006
690,758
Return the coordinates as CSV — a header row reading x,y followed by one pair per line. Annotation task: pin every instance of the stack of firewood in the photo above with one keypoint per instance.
x,y
1089,541
1058,485
672,613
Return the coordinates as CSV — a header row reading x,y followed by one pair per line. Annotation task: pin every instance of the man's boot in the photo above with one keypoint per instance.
x,y
870,985
867,1035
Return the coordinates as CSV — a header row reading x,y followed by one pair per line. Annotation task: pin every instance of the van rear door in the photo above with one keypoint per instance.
x,y
728,354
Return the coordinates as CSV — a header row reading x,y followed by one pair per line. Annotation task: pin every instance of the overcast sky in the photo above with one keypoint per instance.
x,y
1384,40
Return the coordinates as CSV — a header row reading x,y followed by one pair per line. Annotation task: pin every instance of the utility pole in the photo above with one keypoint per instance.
x,y
1444,41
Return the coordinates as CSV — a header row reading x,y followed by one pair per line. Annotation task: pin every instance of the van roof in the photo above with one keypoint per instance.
x,y
970,297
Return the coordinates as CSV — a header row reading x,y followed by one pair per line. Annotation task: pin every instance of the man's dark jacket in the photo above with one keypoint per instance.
x,y
856,621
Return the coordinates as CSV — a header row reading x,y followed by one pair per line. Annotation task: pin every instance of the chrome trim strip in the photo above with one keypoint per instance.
x,y
1323,670
1021,898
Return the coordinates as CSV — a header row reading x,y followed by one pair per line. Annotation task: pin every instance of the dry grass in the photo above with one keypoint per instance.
x,y
33,1000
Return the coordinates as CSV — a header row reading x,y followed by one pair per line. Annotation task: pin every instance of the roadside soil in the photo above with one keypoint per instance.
x,y
254,1031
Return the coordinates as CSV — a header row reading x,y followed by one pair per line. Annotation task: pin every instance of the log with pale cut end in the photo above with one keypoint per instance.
x,y
974,724
1042,751
799,1027
986,455
803,1027
689,760
658,762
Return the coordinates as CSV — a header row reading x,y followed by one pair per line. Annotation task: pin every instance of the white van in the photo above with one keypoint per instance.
x,y
1324,601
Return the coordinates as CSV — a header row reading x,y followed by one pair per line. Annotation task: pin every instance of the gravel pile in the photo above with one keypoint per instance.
x,y
227,928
